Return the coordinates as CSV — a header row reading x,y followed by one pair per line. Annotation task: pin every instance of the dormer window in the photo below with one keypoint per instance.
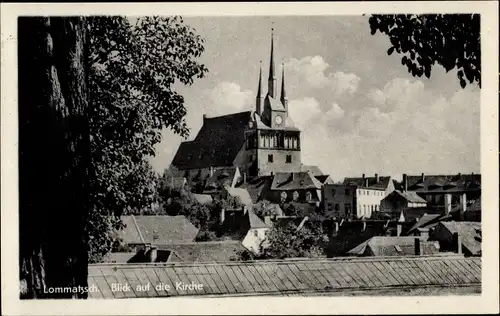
x,y
270,158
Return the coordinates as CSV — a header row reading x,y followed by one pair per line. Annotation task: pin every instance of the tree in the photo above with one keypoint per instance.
x,y
450,40
54,155
285,241
132,69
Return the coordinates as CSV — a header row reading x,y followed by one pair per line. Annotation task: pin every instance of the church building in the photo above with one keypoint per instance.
x,y
259,142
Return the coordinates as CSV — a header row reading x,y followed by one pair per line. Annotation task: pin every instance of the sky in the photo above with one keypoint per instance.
x,y
359,109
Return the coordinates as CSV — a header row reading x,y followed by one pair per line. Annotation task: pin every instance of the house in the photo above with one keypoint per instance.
x,y
156,229
395,246
351,200
397,200
243,225
209,251
256,186
436,189
300,187
461,237
415,275
386,183
258,142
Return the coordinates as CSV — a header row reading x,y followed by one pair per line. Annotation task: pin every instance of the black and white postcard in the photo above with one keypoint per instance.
x,y
250,158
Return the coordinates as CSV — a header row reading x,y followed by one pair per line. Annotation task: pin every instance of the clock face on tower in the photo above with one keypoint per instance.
x,y
278,120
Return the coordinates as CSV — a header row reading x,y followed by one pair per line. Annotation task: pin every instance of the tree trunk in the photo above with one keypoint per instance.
x,y
53,156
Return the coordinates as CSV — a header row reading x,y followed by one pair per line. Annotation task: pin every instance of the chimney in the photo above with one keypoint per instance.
x,y
152,254
399,229
376,178
204,118
366,183
211,171
417,247
336,227
405,182
424,232
463,206
222,216
447,204
458,240
423,177
244,177
364,226
293,176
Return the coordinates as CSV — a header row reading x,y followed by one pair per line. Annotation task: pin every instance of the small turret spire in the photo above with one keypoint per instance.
x,y
283,92
259,102
284,98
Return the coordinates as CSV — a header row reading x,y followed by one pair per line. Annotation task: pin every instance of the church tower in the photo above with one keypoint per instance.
x,y
274,141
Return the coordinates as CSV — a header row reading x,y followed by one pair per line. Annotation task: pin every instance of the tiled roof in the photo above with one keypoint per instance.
x,y
288,277
312,169
323,178
469,232
415,213
394,246
424,221
209,251
203,198
410,196
217,143
157,229
445,183
255,186
242,194
119,257
383,182
294,181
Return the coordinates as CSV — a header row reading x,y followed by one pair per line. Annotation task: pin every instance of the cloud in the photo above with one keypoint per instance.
x,y
311,73
229,97
406,128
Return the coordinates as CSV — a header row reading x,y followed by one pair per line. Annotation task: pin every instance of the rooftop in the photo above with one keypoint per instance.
x,y
288,277
295,181
157,229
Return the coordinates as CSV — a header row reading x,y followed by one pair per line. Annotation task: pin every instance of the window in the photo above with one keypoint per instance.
x,y
288,158
250,158
275,141
270,158
347,192
256,233
347,208
333,192
337,207
296,196
330,206
308,196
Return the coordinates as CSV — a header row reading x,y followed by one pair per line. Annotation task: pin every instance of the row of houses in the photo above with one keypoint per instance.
x,y
384,197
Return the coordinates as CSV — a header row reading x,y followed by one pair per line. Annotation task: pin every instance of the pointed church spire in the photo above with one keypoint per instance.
x,y
271,60
259,102
272,88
